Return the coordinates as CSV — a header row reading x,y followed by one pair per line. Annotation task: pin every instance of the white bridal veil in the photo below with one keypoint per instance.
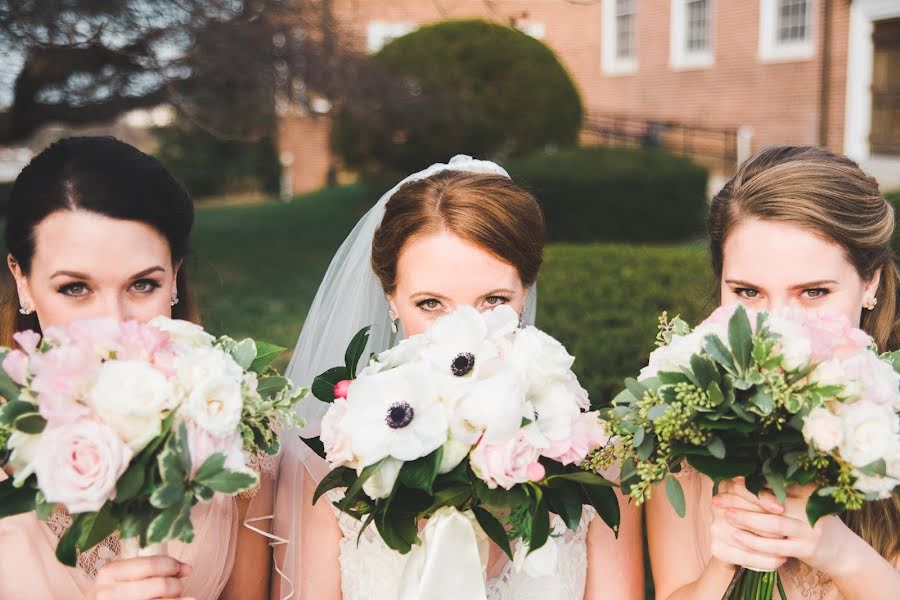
x,y
350,297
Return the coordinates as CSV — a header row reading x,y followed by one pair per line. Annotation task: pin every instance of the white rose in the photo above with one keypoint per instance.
x,y
538,357
882,487
202,365
675,355
183,333
832,372
454,453
870,433
216,405
823,429
24,448
873,379
796,347
540,563
132,397
382,481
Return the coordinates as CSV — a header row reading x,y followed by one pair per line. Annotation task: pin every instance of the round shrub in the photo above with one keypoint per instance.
x,y
602,301
468,87
616,194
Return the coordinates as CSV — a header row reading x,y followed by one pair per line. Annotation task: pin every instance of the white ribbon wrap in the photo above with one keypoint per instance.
x,y
450,563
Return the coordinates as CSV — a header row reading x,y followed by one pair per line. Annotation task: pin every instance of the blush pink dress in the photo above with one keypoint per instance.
x,y
29,569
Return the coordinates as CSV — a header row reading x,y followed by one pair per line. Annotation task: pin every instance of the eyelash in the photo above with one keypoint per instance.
x,y
497,301
821,293
69,288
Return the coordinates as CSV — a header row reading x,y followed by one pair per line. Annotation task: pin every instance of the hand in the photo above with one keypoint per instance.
x,y
788,532
726,534
145,578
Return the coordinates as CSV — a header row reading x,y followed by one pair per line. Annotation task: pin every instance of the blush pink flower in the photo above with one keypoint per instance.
x,y
27,340
587,434
507,463
833,336
79,465
63,378
342,388
141,342
202,444
100,337
16,366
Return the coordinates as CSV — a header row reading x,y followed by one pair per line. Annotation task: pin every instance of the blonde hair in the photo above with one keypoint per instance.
x,y
831,196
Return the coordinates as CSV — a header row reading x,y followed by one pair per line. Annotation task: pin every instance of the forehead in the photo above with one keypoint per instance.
x,y
759,251
445,264
90,242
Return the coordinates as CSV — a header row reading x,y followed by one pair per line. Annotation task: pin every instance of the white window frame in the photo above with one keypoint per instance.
x,y
770,49
612,63
380,33
680,58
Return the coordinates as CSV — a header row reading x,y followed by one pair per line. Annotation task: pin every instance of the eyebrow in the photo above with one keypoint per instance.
x,y
428,294
77,275
801,286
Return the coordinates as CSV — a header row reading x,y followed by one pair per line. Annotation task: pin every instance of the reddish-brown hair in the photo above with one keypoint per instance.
x,y
490,211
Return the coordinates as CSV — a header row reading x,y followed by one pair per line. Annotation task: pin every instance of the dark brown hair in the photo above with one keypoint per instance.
x,y
832,197
104,176
490,211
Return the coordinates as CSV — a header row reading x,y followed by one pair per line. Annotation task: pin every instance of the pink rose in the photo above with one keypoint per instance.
x,y
96,336
27,340
141,342
833,336
16,366
337,444
587,434
202,444
505,463
63,377
79,465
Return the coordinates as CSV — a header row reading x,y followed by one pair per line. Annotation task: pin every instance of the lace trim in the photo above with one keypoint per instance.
x,y
96,558
265,465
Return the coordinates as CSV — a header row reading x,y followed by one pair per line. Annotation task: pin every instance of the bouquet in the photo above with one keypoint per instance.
x,y
476,417
782,398
127,425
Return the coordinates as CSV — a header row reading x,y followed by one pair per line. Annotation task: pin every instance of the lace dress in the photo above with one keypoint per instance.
x,y
29,569
371,571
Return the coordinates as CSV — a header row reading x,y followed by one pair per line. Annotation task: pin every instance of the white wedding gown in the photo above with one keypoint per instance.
x,y
371,571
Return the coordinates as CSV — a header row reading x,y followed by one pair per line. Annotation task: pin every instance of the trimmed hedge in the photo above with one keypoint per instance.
x,y
460,86
602,301
616,194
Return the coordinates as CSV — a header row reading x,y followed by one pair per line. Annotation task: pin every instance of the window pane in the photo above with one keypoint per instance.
x,y
793,20
625,28
697,25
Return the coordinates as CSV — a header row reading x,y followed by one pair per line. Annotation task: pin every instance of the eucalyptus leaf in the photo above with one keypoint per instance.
x,y
244,353
716,447
30,423
13,409
635,388
676,495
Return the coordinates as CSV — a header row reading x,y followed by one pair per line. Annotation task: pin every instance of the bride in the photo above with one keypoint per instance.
x,y
452,235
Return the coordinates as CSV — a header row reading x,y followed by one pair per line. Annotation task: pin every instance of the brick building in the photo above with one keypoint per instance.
x,y
747,73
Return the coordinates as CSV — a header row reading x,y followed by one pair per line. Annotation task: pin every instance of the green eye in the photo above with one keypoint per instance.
x,y
429,304
73,289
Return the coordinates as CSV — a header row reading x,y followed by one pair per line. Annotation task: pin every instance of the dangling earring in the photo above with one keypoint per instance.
x,y
175,299
25,309
522,319
393,318
870,303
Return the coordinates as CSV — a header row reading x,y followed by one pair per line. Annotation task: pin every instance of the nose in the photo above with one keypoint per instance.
x,y
780,302
115,307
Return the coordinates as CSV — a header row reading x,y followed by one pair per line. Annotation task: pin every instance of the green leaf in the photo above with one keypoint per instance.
x,y
42,509
637,389
718,470
97,527
168,495
605,502
819,505
323,385
265,354
355,350
131,482
420,473
893,358
877,468
244,353
513,498
354,489
540,526
716,447
334,479
763,402
716,397
398,525
67,547
719,352
704,370
657,411
211,466
494,530
16,500
455,496
740,337
646,448
13,409
565,499
30,423
582,477
172,523
316,445
638,437
8,388
269,387
228,481
676,495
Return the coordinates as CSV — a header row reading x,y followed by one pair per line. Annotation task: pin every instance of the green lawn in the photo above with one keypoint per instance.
x,y
258,267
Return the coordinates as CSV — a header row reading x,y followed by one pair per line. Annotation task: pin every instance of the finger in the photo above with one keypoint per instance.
x,y
737,487
134,569
150,589
766,524
736,555
768,546
735,502
769,502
